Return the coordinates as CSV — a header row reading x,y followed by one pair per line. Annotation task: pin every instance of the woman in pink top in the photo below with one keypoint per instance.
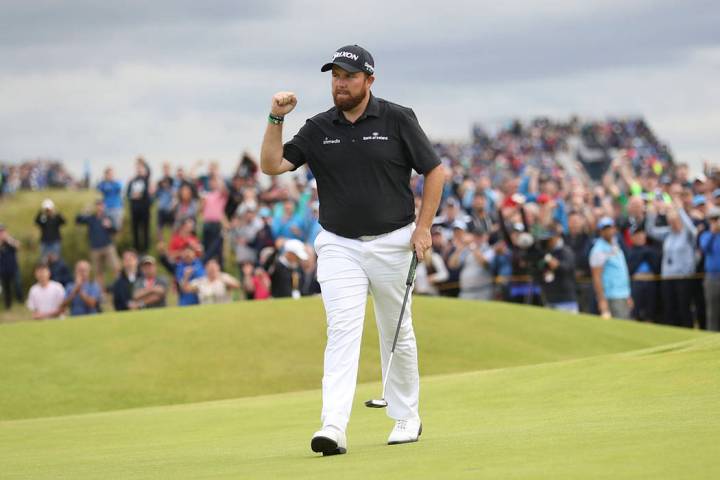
x,y
256,282
214,220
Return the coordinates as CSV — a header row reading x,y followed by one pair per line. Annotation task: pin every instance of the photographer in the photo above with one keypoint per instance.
x,y
474,258
556,270
49,221
523,254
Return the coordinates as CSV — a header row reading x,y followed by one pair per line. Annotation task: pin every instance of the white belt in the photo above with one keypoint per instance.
x,y
367,238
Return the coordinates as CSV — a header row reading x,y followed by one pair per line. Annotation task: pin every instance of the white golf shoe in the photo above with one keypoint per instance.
x,y
329,441
405,431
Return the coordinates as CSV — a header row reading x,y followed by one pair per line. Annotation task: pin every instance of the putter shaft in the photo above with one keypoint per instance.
x,y
408,284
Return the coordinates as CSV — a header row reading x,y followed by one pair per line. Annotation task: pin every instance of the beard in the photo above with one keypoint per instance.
x,y
348,101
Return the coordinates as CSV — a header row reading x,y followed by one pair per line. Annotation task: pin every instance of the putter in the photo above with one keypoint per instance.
x,y
381,402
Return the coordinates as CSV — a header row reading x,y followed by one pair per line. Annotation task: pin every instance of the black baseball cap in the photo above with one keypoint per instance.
x,y
351,58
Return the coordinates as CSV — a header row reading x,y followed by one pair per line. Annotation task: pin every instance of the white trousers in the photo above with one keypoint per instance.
x,y
347,270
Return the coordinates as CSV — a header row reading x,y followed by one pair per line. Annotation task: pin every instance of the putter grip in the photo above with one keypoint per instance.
x,y
411,273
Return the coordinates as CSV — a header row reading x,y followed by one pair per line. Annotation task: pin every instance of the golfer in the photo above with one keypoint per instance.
x,y
362,152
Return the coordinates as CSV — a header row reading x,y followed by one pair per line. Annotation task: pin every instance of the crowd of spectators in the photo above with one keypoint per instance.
x,y
33,175
589,217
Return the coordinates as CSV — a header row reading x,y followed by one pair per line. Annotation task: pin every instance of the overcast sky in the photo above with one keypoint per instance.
x,y
184,80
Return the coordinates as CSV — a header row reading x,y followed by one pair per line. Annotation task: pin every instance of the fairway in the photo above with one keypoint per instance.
x,y
507,392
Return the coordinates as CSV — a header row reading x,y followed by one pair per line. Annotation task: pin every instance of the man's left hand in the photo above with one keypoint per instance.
x,y
421,241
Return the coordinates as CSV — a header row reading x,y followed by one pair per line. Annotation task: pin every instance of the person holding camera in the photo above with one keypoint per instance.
x,y
557,271
49,222
474,259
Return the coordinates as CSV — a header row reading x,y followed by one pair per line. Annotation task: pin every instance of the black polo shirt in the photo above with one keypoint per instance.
x,y
363,168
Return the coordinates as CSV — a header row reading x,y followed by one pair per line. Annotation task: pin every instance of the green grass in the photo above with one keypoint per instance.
x,y
507,392
182,355
648,414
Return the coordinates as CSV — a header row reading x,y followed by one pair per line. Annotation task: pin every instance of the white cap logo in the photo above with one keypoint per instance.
x,y
350,55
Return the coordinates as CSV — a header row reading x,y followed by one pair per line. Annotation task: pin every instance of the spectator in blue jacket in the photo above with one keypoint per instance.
x,y
287,224
710,245
100,235
187,269
611,280
312,223
111,190
83,296
59,270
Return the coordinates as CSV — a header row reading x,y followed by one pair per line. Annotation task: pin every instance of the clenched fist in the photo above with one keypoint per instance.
x,y
283,103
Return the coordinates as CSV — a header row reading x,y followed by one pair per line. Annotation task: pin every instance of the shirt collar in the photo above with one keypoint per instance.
x,y
371,110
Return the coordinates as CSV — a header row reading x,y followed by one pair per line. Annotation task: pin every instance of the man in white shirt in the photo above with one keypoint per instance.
x,y
46,296
215,286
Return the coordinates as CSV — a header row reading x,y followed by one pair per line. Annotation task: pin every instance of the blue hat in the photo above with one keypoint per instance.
x,y
698,200
265,212
605,222
716,193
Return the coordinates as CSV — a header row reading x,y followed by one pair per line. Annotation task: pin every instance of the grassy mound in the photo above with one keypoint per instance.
x,y
653,413
192,354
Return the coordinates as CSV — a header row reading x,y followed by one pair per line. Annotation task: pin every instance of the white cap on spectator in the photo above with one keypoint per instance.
x,y
48,204
297,247
460,225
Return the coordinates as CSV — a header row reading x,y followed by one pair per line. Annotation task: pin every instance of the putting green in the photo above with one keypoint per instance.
x,y
184,355
653,413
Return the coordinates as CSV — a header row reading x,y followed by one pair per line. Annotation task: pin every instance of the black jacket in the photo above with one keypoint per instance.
x,y
60,272
645,253
580,245
562,287
122,292
49,226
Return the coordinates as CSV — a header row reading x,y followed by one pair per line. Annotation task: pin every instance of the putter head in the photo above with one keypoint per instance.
x,y
375,403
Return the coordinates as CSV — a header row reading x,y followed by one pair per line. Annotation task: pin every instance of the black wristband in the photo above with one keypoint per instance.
x,y
275,119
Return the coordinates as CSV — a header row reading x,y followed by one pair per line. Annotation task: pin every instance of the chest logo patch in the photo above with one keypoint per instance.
x,y
375,136
330,141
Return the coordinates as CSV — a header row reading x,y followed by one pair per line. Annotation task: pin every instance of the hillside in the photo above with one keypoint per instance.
x,y
192,354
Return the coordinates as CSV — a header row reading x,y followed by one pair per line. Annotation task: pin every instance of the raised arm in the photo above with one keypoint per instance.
x,y
687,221
655,231
271,154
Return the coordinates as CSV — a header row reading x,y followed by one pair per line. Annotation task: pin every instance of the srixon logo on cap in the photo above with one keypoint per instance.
x,y
349,55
